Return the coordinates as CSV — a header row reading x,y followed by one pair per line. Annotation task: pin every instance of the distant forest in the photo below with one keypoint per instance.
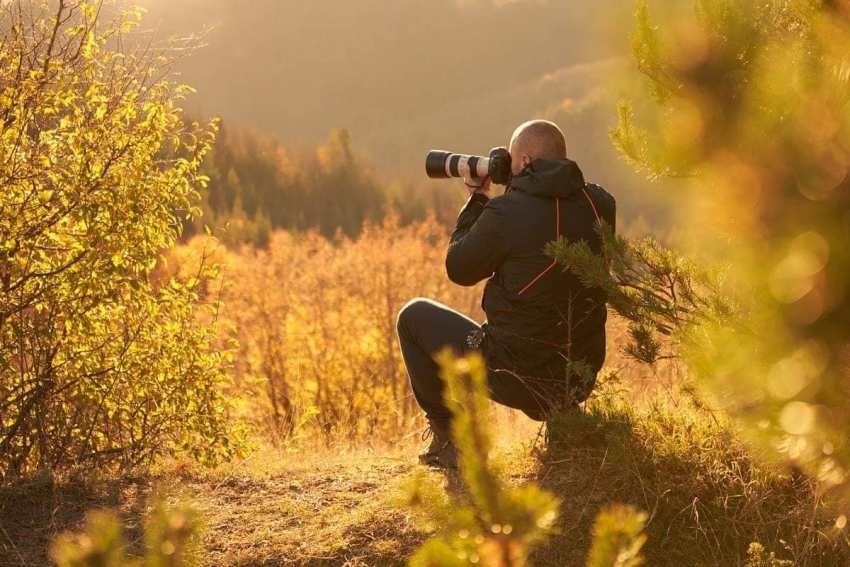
x,y
256,185
259,184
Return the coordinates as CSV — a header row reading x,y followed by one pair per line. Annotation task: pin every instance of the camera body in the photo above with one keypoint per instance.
x,y
441,164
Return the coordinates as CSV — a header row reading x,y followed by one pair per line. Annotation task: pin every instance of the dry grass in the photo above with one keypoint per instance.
x,y
706,496
707,499
315,320
333,510
322,510
314,506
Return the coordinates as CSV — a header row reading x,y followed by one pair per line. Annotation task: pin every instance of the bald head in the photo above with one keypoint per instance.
x,y
536,139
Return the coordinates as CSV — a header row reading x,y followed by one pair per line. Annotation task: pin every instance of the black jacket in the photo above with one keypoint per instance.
x,y
539,316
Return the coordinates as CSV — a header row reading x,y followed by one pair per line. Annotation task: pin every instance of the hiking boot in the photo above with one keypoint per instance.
x,y
441,453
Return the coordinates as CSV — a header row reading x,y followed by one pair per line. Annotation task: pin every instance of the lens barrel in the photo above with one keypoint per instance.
x,y
440,164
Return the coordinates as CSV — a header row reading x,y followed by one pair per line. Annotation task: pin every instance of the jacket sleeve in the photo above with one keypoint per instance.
x,y
478,245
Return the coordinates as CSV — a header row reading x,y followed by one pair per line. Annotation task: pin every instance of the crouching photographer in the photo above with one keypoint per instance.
x,y
541,321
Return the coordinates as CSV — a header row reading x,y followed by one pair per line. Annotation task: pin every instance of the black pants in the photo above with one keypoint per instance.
x,y
424,328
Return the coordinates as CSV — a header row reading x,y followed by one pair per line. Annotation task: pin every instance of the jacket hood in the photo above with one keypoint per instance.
x,y
550,178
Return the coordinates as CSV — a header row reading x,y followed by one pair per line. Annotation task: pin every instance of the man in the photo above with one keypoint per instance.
x,y
544,339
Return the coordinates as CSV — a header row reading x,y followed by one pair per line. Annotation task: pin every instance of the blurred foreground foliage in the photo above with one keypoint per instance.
x,y
748,103
100,362
171,540
618,538
488,523
484,521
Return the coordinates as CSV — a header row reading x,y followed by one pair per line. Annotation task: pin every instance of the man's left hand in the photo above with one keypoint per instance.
x,y
479,186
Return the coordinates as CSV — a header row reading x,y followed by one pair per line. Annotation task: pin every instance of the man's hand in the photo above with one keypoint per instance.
x,y
480,186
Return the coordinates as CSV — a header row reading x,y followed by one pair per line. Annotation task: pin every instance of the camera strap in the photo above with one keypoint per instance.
x,y
554,263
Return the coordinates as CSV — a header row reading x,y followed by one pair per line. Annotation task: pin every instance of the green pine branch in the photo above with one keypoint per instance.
x,y
660,292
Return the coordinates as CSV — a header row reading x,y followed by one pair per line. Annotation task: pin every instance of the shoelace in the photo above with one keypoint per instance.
x,y
428,433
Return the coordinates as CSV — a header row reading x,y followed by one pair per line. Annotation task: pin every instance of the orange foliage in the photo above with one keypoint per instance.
x,y
315,321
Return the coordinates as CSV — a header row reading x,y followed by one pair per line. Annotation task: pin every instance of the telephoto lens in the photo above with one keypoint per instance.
x,y
440,164
443,165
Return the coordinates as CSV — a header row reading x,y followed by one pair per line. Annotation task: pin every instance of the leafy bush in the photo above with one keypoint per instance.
x,y
99,362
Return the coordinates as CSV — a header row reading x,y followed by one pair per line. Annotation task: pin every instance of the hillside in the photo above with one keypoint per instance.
x,y
300,69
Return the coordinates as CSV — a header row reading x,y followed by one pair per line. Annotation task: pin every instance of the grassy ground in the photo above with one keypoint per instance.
x,y
706,499
324,510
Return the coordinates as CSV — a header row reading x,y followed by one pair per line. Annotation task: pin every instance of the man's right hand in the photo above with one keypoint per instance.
x,y
479,186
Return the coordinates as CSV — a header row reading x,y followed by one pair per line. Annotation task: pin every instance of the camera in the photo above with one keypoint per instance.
x,y
440,164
